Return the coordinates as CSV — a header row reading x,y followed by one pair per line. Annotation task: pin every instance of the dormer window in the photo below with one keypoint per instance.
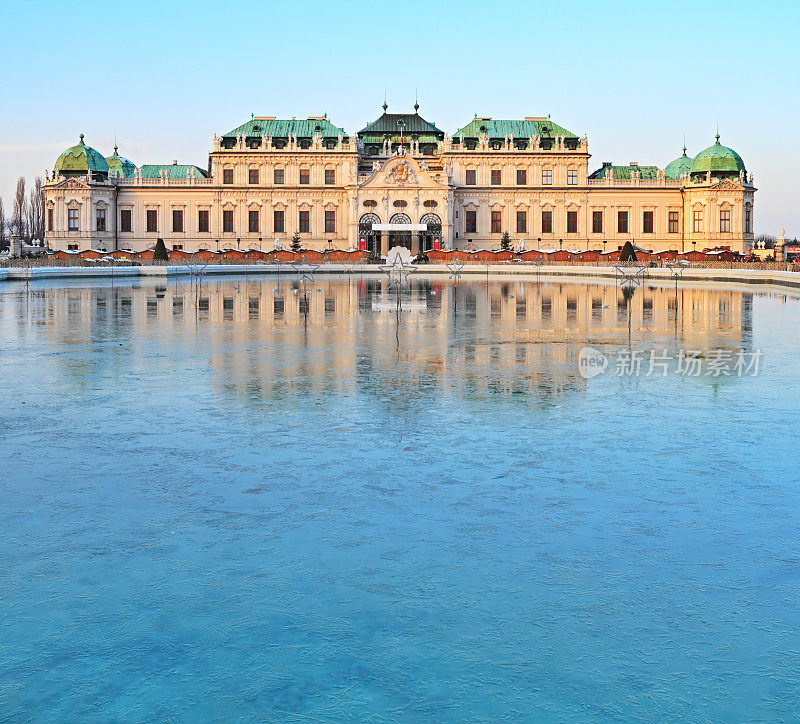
x,y
256,129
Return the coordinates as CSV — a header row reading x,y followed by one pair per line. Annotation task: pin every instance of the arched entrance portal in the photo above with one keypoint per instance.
x,y
434,231
400,238
365,231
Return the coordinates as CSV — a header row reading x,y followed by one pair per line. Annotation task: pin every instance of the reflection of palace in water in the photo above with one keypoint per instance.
x,y
274,334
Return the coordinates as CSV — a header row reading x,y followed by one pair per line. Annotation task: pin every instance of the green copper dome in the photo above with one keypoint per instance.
x,y
720,160
120,167
679,166
80,159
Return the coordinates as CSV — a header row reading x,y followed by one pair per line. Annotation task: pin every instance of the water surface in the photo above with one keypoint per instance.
x,y
233,499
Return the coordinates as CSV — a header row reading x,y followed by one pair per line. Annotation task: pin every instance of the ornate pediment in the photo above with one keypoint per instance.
x,y
727,185
401,172
71,184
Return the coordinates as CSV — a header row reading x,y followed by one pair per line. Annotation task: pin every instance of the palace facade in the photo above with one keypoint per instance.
x,y
400,181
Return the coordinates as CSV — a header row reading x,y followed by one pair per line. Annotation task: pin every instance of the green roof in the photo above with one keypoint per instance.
x,y
624,172
174,170
718,159
414,124
81,158
544,128
120,167
303,128
679,166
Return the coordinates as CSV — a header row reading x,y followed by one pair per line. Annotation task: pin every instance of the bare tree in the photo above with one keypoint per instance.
x,y
35,210
3,237
19,217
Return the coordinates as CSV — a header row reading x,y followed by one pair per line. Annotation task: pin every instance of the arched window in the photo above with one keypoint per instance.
x,y
431,220
366,221
400,219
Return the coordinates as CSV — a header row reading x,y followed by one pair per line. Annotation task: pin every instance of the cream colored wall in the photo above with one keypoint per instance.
x,y
353,186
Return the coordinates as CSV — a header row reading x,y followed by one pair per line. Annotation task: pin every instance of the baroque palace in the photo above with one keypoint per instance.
x,y
400,181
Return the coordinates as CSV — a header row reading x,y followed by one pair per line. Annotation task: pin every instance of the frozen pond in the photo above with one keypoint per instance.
x,y
232,500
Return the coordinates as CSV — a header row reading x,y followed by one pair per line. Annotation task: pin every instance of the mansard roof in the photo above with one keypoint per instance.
x,y
277,128
414,124
624,172
174,170
496,128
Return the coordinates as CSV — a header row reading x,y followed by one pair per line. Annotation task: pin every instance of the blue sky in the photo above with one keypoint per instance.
x,y
634,76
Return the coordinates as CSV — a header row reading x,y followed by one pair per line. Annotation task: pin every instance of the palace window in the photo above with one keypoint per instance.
x,y
330,222
227,221
177,221
227,175
400,204
430,204
572,222
597,222
697,221
72,247
496,177
522,222
125,220
277,176
647,222
672,222
252,176
471,221
73,223
547,222
50,219
471,180
305,222
547,177
330,176
497,222
622,222
177,247
370,204
278,225
202,221
100,219
522,177
152,221
748,219
305,176
252,221
724,220
572,177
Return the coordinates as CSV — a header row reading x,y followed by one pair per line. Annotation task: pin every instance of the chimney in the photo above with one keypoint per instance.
x,y
175,162
606,164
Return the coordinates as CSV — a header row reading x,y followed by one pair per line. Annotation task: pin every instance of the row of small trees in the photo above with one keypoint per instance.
x,y
27,214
